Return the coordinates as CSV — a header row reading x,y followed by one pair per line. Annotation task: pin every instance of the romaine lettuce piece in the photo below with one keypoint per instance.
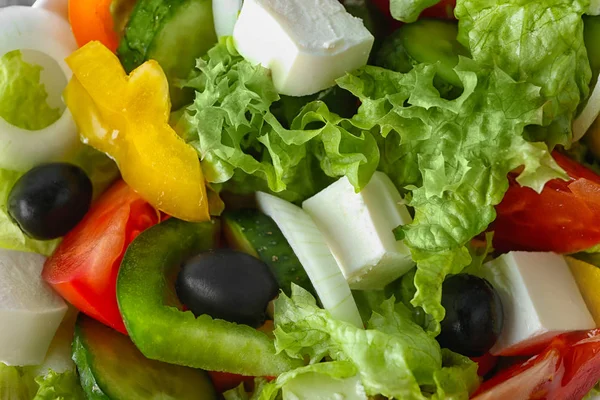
x,y
392,342
537,41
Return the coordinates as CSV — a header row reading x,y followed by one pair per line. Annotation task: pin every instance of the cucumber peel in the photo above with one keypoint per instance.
x,y
174,33
112,368
254,233
165,333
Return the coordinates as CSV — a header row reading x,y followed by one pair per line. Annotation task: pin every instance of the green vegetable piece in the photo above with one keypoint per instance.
x,y
409,10
23,99
167,334
255,233
591,36
425,41
111,367
175,33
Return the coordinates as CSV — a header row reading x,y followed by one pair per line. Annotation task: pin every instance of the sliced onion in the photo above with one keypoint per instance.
x,y
43,31
589,114
60,7
225,14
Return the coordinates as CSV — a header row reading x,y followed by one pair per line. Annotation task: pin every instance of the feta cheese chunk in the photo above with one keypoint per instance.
x,y
540,299
30,311
358,227
307,44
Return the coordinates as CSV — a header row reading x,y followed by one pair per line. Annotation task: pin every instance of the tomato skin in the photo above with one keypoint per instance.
x,y
92,20
564,218
485,364
224,381
566,370
84,267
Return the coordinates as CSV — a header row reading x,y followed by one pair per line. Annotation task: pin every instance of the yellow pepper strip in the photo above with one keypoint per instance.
x,y
127,118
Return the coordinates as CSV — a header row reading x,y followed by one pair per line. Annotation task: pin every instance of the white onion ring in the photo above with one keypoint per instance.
x,y
37,29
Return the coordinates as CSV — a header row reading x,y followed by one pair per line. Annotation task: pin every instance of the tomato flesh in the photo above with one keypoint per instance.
x,y
84,267
567,369
564,218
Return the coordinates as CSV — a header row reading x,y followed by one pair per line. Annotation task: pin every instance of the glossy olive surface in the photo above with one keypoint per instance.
x,y
227,284
474,315
50,199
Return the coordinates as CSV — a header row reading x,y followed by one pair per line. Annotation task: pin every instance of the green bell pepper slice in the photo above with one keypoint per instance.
x,y
162,331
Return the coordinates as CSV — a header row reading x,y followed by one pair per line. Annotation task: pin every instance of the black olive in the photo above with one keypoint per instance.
x,y
49,200
474,315
228,285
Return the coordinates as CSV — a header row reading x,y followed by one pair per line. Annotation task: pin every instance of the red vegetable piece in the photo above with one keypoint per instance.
x,y
564,218
566,370
84,268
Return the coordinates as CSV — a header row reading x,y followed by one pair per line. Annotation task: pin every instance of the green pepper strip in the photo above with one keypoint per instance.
x,y
165,333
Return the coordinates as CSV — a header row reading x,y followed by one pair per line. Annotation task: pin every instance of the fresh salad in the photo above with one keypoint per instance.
x,y
300,200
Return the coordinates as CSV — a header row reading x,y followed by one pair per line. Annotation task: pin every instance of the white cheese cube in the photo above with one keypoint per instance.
x,y
358,227
30,311
540,299
307,44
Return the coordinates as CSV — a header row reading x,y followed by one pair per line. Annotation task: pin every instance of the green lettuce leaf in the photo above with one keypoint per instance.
x,y
540,42
21,383
101,170
22,96
16,383
243,146
452,155
391,342
409,10
63,386
315,382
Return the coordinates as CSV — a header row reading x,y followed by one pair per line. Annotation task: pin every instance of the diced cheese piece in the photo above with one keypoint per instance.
x,y
359,228
30,311
587,277
540,299
307,44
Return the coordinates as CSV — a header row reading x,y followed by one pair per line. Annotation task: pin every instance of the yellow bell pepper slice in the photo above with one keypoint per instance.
x,y
127,118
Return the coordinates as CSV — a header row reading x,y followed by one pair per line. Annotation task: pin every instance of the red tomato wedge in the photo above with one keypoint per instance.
x,y
92,20
566,370
564,218
84,268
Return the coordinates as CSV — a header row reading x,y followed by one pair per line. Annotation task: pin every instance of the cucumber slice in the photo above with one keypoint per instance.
x,y
111,367
254,233
425,41
175,33
591,34
309,245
